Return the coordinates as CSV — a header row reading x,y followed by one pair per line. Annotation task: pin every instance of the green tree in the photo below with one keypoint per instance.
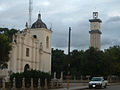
x,y
90,62
8,32
58,61
5,46
112,57
76,62
93,59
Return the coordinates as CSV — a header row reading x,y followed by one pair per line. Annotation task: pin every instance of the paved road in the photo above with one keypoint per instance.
x,y
115,87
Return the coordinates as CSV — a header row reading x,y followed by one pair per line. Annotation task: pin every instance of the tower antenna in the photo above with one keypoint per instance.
x,y
30,13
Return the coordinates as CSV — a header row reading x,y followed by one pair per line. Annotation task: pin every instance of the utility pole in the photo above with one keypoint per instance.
x,y
69,41
68,64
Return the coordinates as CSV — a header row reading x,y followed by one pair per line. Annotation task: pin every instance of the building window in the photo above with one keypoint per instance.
x,y
47,42
27,52
34,36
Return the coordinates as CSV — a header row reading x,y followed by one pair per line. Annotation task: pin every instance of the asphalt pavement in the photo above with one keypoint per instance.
x,y
111,87
73,86
84,86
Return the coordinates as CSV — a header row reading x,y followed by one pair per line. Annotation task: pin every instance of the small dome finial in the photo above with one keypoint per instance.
x,y
26,25
39,15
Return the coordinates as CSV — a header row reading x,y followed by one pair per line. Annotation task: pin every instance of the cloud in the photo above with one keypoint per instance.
x,y
63,14
3,7
79,35
108,42
41,3
114,19
114,13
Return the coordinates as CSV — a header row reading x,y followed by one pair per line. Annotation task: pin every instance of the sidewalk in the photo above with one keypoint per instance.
x,y
74,86
109,84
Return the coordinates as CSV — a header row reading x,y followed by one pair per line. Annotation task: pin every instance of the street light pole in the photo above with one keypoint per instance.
x,y
69,41
68,74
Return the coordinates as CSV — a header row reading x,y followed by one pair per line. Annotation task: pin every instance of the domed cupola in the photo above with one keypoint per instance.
x,y
39,23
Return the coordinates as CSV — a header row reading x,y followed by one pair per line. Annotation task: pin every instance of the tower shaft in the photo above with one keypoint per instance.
x,y
95,33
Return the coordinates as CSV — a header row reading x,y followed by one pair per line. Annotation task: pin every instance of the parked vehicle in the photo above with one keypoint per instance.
x,y
98,82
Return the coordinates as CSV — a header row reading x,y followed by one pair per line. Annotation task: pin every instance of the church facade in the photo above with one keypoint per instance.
x,y
31,49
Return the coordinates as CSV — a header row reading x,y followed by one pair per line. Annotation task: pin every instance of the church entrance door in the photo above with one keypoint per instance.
x,y
27,67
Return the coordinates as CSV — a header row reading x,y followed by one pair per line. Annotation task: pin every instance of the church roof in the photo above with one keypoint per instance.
x,y
39,23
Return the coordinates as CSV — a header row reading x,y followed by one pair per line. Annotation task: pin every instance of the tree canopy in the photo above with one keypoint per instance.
x,y
5,47
91,62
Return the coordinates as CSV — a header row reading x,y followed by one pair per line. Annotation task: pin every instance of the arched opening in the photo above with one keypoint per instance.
x,y
27,67
35,36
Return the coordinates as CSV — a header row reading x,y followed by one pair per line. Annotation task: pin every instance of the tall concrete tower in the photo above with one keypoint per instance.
x,y
95,33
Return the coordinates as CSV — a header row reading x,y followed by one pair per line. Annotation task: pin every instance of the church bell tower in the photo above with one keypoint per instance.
x,y
95,33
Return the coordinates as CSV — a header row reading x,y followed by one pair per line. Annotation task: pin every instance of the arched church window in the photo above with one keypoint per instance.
x,y
35,36
47,42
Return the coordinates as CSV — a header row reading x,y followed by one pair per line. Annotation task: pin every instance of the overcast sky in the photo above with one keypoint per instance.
x,y
63,14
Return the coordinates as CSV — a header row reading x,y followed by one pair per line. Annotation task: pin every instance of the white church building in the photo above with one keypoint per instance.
x,y
31,48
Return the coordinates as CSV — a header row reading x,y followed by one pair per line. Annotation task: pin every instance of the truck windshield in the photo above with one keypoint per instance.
x,y
96,79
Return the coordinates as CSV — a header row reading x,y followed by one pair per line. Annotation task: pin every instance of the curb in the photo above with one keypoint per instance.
x,y
80,88
109,84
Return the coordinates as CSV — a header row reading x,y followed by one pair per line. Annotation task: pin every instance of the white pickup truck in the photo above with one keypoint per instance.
x,y
98,82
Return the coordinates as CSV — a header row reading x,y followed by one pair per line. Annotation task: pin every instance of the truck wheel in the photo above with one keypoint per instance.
x,y
105,86
90,87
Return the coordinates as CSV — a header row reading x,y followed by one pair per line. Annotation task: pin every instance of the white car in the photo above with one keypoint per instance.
x,y
97,82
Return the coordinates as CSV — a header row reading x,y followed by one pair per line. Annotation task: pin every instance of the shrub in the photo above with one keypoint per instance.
x,y
28,75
